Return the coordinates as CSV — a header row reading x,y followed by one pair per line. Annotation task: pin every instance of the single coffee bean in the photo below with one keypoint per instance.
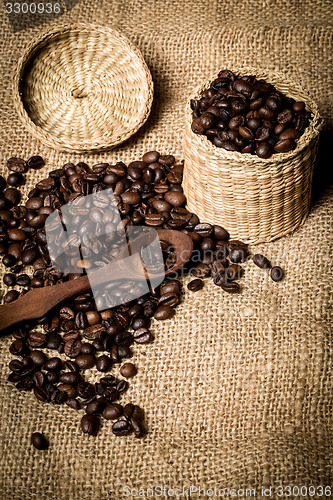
x,y
164,312
69,389
285,145
38,357
261,261
103,363
151,157
72,347
35,162
70,378
39,441
95,407
11,296
23,280
15,179
195,285
112,411
263,150
73,403
53,364
230,287
276,273
85,361
90,424
143,335
128,370
9,279
17,165
121,428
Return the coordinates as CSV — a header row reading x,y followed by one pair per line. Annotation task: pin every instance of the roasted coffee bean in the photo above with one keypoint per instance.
x,y
40,394
17,165
284,146
15,179
238,254
9,279
122,386
230,287
163,312
95,407
16,366
276,273
112,411
85,361
37,339
72,347
121,428
52,377
109,380
73,403
39,441
53,341
90,424
53,364
128,370
72,366
103,363
69,389
195,285
261,261
263,149
38,357
11,296
110,394
23,280
9,260
69,378
35,162
143,335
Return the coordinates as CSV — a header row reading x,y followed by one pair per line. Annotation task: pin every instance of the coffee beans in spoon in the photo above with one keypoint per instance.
x,y
248,115
54,354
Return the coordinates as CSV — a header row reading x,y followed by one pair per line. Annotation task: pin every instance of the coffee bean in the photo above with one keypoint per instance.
x,y
261,261
73,403
175,198
9,279
35,162
85,361
40,394
15,179
151,157
11,296
72,347
284,146
128,370
164,312
230,287
90,424
103,363
39,441
23,280
95,407
143,335
195,285
263,149
112,411
121,428
276,273
38,357
17,165
53,365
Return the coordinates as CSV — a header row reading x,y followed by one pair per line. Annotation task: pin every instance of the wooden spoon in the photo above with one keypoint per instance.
x,y
37,302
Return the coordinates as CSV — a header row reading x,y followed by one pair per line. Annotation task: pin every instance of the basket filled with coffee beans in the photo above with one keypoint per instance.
x,y
250,143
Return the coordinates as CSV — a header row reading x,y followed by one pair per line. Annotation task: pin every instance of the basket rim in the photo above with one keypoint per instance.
x,y
314,128
48,138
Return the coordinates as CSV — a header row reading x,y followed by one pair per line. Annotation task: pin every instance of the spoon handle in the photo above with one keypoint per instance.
x,y
37,302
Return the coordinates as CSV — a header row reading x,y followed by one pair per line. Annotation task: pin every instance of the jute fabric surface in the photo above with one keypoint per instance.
x,y
237,390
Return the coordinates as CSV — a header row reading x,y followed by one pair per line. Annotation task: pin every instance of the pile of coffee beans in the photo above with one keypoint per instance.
x,y
241,113
148,192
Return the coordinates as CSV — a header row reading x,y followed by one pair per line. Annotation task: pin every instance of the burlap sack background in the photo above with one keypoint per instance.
x,y
237,390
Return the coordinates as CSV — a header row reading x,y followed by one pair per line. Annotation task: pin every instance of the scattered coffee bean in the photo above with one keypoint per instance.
x,y
128,370
39,441
276,273
195,285
90,424
261,261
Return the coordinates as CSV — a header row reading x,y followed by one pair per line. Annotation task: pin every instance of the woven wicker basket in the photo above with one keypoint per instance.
x,y
256,200
81,88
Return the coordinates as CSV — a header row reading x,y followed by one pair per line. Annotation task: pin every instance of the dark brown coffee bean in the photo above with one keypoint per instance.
x,y
72,347
69,389
94,332
40,394
85,390
95,407
261,261
37,339
128,370
163,312
143,335
263,150
285,145
175,198
17,165
73,403
230,286
237,254
53,365
285,116
121,428
195,285
15,179
85,361
35,162
289,133
276,273
103,363
39,441
90,424
112,411
151,157
23,280
38,357
16,366
9,279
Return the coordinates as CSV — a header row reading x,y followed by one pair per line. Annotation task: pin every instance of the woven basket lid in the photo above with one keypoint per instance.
x,y
81,88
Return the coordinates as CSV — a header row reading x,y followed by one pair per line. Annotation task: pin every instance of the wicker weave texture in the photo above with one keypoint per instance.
x,y
257,200
82,88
